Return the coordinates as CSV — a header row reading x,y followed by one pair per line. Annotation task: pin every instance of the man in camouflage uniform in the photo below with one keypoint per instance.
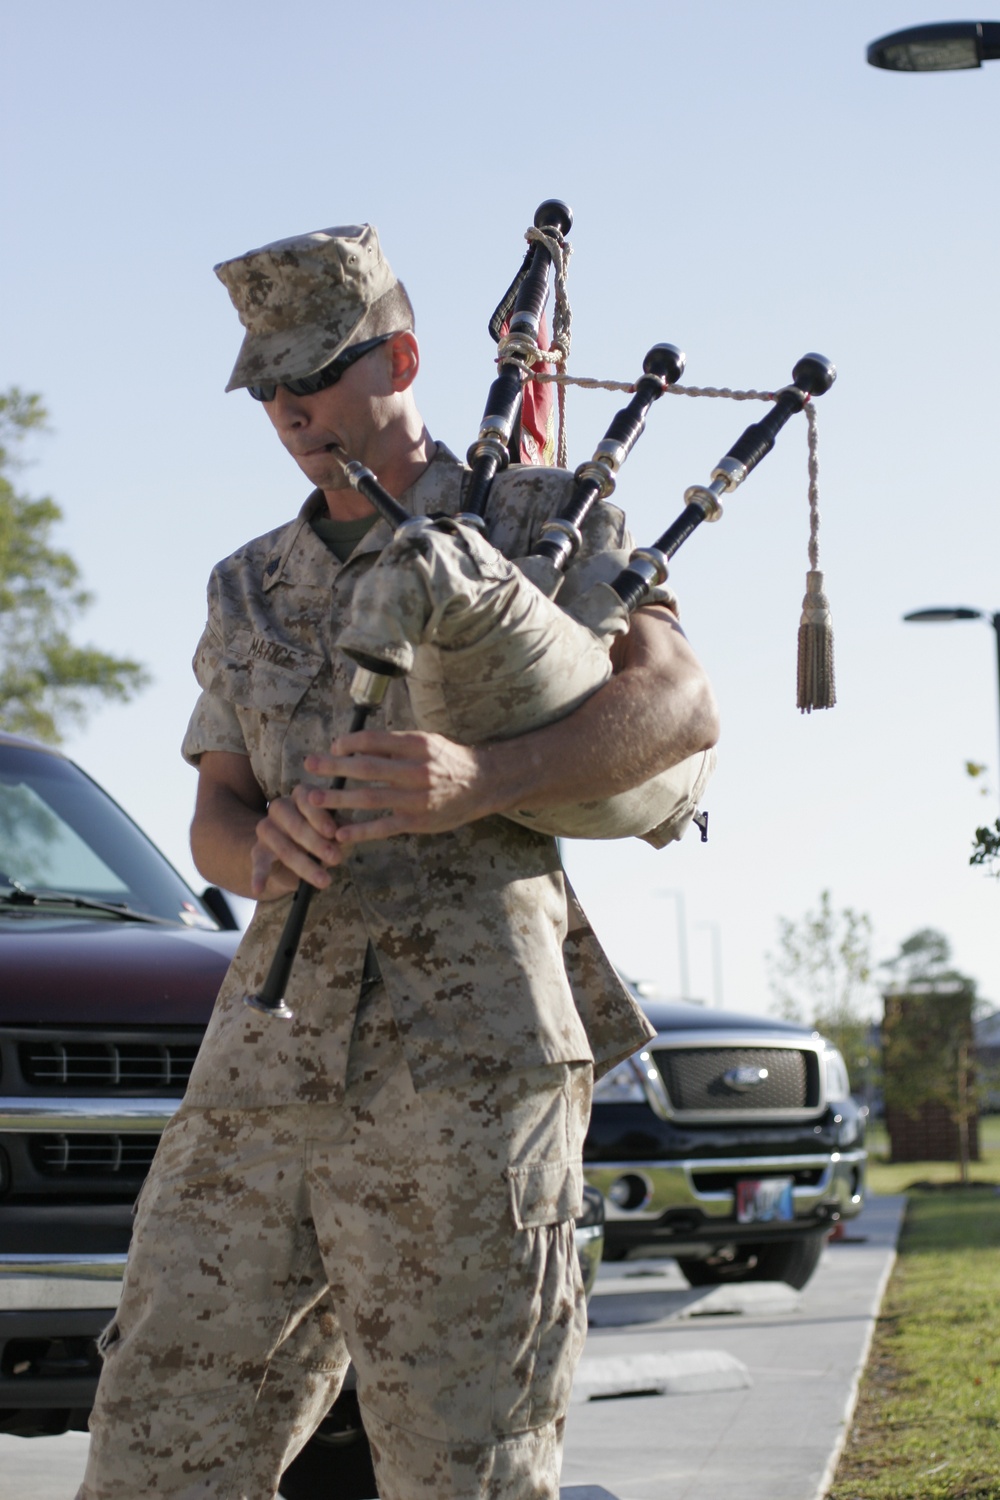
x,y
392,1176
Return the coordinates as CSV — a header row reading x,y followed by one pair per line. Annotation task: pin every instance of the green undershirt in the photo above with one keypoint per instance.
x,y
342,536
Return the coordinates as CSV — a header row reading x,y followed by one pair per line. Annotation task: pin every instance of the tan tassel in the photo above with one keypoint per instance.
x,y
816,688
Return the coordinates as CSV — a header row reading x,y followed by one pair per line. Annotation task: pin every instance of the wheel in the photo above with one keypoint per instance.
x,y
336,1463
715,1271
613,1252
791,1261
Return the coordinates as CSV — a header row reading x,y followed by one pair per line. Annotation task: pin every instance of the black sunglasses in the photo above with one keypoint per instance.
x,y
327,376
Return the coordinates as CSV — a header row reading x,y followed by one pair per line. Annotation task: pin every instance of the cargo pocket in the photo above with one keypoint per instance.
x,y
543,1319
545,1193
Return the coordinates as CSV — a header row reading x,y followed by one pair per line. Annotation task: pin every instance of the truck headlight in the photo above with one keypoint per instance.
x,y
621,1085
838,1084
635,1081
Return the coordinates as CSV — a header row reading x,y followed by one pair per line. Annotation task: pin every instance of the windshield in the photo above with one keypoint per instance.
x,y
60,833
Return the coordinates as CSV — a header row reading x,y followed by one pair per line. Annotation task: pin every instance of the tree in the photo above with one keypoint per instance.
x,y
930,1100
986,849
986,844
45,679
922,958
821,975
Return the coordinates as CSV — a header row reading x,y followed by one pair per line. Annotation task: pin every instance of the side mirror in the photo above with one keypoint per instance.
x,y
220,908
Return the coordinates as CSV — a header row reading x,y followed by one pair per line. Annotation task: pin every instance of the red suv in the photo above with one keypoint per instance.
x,y
109,967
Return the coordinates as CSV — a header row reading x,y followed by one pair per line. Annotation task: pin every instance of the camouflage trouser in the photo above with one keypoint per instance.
x,y
427,1236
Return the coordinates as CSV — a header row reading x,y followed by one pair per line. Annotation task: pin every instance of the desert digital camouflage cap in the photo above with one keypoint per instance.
x,y
303,300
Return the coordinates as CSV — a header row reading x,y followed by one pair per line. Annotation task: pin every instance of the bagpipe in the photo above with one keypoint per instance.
x,y
487,649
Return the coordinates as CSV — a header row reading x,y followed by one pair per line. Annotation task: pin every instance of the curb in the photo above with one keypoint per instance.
x,y
830,1472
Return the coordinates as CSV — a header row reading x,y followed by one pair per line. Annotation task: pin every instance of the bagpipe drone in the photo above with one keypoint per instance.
x,y
487,650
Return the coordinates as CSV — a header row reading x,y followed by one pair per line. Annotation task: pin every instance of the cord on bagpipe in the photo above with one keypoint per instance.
x,y
814,373
436,633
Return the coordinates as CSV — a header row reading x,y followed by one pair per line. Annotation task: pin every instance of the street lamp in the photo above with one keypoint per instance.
x,y
959,612
682,942
716,936
939,48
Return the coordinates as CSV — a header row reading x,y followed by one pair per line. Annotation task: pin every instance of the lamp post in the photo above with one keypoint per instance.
x,y
943,47
713,928
682,942
945,613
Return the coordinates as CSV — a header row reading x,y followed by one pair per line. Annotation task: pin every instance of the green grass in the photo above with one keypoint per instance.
x,y
885,1176
927,1424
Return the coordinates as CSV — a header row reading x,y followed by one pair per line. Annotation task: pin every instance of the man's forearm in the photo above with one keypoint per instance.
x,y
228,809
222,846
634,727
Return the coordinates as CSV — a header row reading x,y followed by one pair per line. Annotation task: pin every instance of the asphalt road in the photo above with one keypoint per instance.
x,y
681,1395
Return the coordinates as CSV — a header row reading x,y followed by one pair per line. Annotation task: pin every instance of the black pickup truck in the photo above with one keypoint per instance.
x,y
731,1143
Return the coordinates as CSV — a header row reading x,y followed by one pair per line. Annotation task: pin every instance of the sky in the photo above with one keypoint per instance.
x,y
745,186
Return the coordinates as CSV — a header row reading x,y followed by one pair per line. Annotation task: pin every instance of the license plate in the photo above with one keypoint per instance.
x,y
766,1201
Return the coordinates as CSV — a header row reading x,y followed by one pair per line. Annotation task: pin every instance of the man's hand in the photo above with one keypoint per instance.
x,y
420,783
246,846
295,840
423,782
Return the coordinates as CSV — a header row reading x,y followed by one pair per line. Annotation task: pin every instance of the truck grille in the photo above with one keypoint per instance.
x,y
82,1107
95,1067
714,1080
104,1155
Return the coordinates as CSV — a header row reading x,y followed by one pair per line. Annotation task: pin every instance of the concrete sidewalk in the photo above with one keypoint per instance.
x,y
772,1432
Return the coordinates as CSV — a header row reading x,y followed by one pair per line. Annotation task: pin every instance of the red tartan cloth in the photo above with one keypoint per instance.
x,y
538,411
